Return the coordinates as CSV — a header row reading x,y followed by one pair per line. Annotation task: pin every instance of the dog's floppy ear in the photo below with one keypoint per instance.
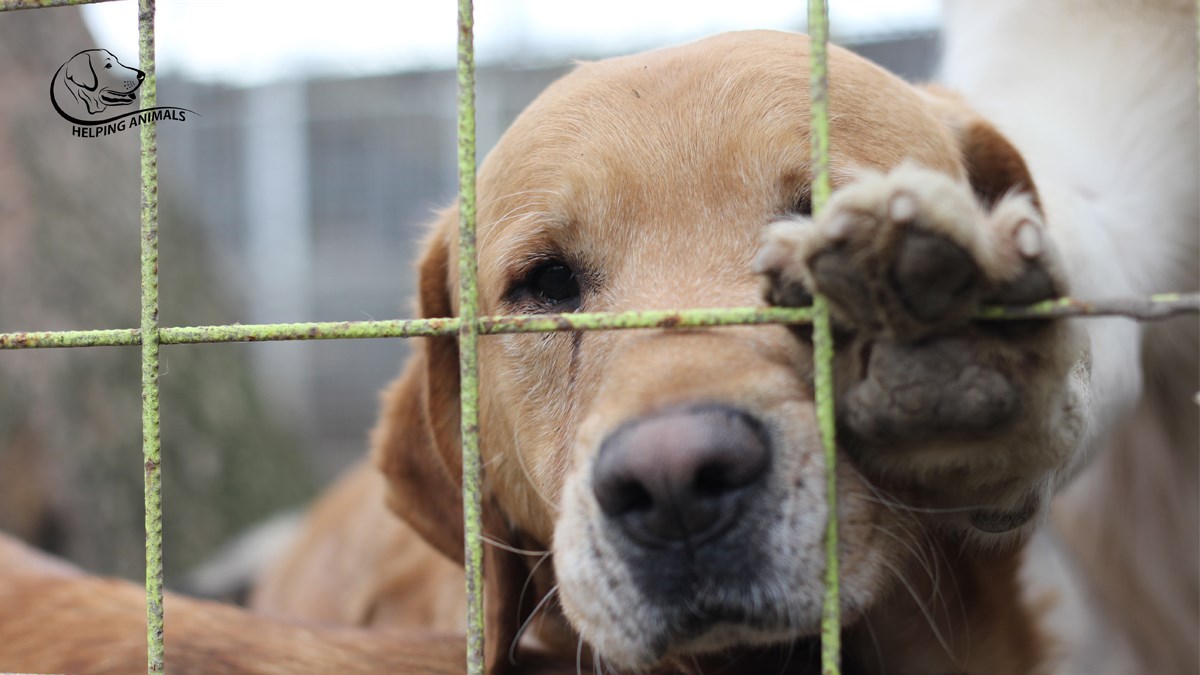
x,y
416,442
79,70
994,167
417,446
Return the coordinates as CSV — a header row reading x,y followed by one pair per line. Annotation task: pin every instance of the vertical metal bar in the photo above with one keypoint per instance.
x,y
150,427
831,637
469,338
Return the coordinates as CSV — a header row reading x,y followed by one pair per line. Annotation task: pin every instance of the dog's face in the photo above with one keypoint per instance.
x,y
677,475
96,78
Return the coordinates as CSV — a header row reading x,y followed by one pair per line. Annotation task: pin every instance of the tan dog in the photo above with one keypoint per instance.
x,y
674,477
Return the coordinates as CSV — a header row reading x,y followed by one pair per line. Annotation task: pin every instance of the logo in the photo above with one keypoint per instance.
x,y
93,91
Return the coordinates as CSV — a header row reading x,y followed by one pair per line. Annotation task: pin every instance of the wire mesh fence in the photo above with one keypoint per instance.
x,y
468,326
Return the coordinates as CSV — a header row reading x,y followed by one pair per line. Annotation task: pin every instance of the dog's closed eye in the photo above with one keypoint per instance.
x,y
551,286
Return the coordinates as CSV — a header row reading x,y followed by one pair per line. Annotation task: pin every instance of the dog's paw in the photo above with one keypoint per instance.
x,y
910,254
971,414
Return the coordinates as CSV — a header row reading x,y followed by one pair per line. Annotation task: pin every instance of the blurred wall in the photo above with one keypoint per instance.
x,y
70,422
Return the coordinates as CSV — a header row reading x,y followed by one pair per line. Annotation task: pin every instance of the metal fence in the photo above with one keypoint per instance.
x,y
468,326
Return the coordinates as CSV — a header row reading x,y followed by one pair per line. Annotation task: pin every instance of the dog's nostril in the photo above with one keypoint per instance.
x,y
625,497
710,481
715,479
679,474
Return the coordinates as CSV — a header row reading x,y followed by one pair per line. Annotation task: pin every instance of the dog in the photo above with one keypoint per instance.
x,y
655,499
673,479
58,619
93,80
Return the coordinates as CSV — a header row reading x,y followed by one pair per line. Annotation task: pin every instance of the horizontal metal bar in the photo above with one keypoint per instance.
x,y
1145,309
1160,306
8,5
687,318
330,330
117,337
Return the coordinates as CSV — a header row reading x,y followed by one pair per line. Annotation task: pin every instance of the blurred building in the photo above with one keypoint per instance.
x,y
313,195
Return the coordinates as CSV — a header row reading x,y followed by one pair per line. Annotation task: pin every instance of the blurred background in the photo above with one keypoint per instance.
x,y
325,141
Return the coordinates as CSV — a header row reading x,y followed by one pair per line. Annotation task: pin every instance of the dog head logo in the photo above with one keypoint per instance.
x,y
97,93
91,82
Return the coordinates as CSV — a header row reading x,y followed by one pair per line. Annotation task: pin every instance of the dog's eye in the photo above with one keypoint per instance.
x,y
801,206
555,281
108,66
552,286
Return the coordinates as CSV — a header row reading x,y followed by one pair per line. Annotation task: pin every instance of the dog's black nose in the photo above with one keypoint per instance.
x,y
681,474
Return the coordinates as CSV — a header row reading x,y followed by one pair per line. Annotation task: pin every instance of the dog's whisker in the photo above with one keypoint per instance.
x,y
916,552
530,191
927,554
896,505
519,212
512,648
878,492
935,577
529,579
929,618
933,554
529,209
579,656
875,643
543,557
542,617
893,504
493,460
927,562
787,657
512,549
962,605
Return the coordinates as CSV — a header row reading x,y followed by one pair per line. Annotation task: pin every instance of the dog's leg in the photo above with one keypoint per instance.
x,y
975,421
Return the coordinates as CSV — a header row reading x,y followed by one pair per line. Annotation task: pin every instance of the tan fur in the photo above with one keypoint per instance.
x,y
393,579
58,620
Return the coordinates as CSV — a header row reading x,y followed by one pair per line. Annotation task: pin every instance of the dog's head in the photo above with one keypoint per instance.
x,y
96,78
676,475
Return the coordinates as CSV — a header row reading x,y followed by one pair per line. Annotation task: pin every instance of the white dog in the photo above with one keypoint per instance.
x,y
1101,99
